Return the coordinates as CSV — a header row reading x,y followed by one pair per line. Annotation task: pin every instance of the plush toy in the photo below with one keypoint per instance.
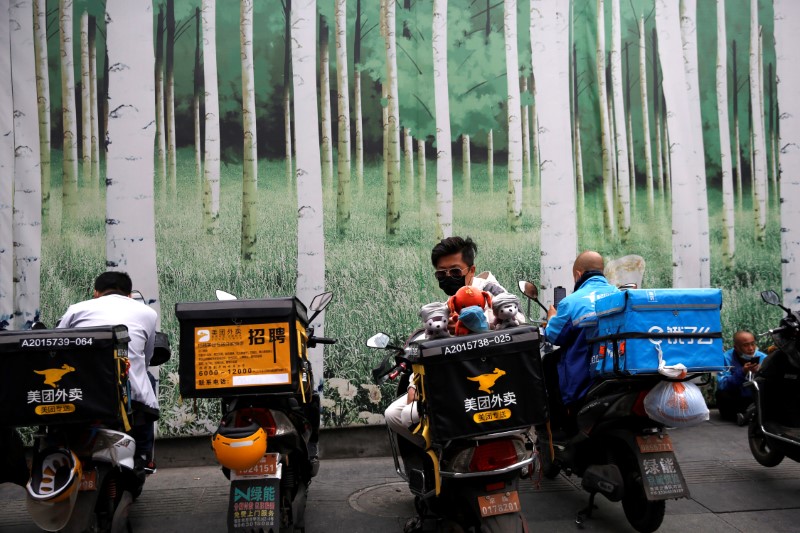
x,y
474,319
434,317
505,307
467,297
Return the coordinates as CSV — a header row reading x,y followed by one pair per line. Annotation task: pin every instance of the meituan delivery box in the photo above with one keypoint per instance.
x,y
242,347
483,383
63,376
637,328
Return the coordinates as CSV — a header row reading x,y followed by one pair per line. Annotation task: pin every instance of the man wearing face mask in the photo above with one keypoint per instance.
x,y
453,259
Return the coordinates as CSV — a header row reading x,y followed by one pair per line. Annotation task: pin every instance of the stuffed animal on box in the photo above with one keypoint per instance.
x,y
434,318
506,308
465,297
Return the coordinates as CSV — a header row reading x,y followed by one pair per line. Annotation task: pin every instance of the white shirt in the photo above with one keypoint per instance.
x,y
140,320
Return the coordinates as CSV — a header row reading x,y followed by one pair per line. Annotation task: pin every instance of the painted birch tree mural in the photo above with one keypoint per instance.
x,y
728,231
86,102
197,85
514,198
620,131
343,120
287,90
161,143
169,104
393,122
685,247
358,120
27,212
466,165
69,190
7,172
688,14
43,98
325,102
310,219
95,136
130,207
609,218
250,157
787,28
737,152
408,161
550,51
648,150
444,160
211,164
759,159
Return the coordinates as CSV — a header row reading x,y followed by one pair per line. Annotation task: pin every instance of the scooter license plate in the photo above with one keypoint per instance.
x,y
499,503
88,480
267,466
654,443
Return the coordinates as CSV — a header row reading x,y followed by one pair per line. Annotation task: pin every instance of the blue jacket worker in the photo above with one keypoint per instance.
x,y
743,359
575,321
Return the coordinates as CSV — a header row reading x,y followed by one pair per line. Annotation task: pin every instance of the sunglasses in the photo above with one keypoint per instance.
x,y
452,272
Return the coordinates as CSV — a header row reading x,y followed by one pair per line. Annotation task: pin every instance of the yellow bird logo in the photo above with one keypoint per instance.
x,y
487,381
53,375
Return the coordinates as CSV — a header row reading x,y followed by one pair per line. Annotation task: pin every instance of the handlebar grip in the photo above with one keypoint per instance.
x,y
400,368
324,340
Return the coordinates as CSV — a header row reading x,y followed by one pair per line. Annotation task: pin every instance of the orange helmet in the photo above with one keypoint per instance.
x,y
238,448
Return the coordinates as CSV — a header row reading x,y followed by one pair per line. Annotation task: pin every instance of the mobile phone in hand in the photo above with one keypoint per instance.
x,y
558,294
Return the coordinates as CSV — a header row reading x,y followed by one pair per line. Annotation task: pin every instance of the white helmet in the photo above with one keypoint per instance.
x,y
114,447
53,487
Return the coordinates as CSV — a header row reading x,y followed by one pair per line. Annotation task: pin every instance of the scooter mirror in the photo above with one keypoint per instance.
x,y
771,297
321,301
222,295
379,340
529,289
138,296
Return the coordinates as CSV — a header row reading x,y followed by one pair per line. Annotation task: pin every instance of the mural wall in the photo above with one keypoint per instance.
x,y
279,147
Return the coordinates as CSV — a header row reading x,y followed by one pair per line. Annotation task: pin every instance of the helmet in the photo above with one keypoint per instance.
x,y
238,448
114,447
53,487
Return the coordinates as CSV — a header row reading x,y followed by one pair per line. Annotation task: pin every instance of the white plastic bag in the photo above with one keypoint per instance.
x,y
676,404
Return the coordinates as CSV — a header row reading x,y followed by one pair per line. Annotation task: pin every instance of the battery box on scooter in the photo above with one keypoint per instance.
x,y
638,328
483,383
242,347
63,376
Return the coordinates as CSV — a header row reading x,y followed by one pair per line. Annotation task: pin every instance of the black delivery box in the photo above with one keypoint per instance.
x,y
483,383
63,376
241,347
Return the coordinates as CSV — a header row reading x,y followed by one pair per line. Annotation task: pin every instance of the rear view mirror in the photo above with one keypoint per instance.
x,y
321,301
379,340
529,289
222,295
771,297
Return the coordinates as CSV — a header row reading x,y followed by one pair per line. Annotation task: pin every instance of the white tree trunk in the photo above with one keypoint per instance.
x,y
7,171
686,251
86,101
130,206
466,170
211,165
526,137
648,150
631,161
550,51
609,218
620,133
393,118
408,150
728,232
661,155
514,198
95,159
688,14
161,142
169,105
422,171
787,54
343,99
310,230
759,168
490,159
325,107
444,162
359,130
581,193
250,155
69,189
27,217
43,95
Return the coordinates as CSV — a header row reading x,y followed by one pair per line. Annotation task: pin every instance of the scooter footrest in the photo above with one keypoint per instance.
x,y
416,481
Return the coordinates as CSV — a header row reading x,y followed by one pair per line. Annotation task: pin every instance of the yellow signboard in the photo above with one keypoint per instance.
x,y
245,355
491,416
55,409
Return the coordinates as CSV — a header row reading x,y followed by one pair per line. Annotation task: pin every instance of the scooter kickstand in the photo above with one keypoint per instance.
x,y
586,513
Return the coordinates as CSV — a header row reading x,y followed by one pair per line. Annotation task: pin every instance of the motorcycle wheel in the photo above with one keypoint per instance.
x,y
644,515
760,448
504,523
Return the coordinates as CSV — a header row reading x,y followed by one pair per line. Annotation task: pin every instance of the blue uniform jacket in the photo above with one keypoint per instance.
x,y
575,322
735,378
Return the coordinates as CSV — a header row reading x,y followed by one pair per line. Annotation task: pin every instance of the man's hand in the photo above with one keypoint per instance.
x,y
412,394
551,313
751,367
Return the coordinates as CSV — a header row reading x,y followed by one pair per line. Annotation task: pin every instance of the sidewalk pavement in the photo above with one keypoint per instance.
x,y
361,493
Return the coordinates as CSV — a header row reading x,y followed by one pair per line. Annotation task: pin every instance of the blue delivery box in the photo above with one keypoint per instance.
x,y
638,328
